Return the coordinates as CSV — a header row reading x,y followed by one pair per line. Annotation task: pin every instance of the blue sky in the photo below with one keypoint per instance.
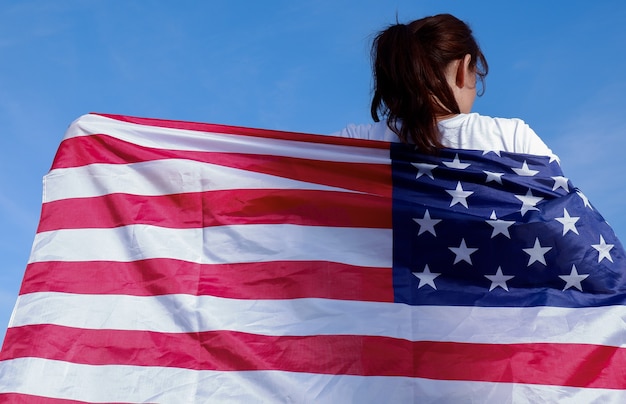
x,y
290,65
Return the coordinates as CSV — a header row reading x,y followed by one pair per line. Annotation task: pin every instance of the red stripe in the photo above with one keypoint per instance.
x,y
575,365
19,398
215,208
104,149
265,280
241,130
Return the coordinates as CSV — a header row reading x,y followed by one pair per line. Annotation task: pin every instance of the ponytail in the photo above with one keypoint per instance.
x,y
410,86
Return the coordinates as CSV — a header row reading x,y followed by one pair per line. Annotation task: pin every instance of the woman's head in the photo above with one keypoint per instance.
x,y
423,71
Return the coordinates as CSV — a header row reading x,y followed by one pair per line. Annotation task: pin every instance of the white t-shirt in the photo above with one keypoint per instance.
x,y
467,131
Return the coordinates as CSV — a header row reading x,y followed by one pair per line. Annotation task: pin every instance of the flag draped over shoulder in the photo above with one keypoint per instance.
x,y
187,262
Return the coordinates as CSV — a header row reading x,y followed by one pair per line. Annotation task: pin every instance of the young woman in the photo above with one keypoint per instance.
x,y
425,83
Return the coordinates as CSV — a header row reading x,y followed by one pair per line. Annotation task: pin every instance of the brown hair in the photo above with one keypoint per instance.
x,y
410,87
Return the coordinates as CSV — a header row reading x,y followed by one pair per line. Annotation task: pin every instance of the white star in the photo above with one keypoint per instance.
x,y
456,163
459,195
424,169
426,278
525,171
584,198
499,279
568,222
491,176
497,152
499,226
463,252
528,202
537,253
603,250
573,279
427,224
560,182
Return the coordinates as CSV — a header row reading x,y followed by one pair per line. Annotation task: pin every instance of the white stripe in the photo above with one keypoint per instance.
x,y
182,139
186,313
160,177
218,244
118,383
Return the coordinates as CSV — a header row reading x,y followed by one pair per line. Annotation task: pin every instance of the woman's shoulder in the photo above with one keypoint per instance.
x,y
482,132
371,131
466,131
475,119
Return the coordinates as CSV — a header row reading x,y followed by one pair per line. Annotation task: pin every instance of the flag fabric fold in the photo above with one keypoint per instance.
x,y
188,262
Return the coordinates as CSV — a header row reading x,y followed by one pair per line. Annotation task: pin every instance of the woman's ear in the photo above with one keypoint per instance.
x,y
463,70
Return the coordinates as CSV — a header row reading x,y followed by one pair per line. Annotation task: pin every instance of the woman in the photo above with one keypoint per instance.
x,y
425,83
527,252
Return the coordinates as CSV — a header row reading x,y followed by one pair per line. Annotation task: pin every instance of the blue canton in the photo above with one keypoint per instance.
x,y
475,228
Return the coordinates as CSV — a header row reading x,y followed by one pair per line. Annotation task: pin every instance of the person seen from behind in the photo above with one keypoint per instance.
x,y
426,75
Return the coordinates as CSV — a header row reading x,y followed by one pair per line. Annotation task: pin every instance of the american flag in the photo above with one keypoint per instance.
x,y
188,262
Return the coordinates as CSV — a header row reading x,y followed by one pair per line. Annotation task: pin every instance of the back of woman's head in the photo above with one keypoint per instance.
x,y
410,85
